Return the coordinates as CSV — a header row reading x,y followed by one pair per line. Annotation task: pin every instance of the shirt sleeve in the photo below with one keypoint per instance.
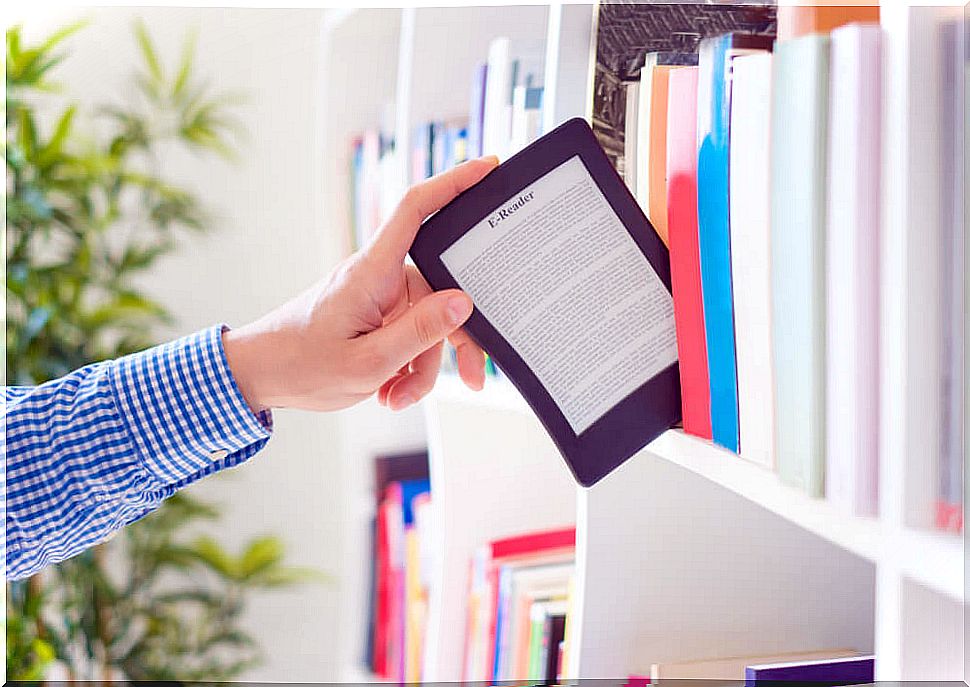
x,y
90,452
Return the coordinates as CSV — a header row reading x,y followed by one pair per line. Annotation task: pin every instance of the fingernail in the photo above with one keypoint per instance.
x,y
459,308
493,159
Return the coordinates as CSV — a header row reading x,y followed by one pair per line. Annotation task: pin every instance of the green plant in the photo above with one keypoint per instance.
x,y
84,216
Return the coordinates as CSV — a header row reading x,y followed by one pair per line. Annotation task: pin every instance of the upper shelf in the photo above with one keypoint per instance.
x,y
934,559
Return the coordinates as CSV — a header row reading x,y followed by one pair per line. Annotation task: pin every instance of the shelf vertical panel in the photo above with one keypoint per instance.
x,y
494,473
677,568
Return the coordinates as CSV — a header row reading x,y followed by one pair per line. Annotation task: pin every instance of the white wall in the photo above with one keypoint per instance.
x,y
271,240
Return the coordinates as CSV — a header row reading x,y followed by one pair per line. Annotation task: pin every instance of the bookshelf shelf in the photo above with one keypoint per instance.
x,y
931,558
758,564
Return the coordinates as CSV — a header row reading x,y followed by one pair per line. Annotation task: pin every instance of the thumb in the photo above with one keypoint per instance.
x,y
423,325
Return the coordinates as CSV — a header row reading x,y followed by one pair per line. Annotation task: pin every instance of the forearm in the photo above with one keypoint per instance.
x,y
95,450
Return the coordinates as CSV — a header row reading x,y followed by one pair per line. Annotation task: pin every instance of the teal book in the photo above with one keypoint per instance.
x,y
799,138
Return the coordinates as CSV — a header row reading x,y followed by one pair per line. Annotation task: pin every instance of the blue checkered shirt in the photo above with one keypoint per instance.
x,y
95,450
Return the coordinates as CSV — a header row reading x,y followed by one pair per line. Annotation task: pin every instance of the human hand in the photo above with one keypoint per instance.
x,y
373,325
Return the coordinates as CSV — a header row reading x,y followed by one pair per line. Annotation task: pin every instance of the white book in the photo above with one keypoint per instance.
x,y
497,124
630,142
852,269
645,90
750,210
911,325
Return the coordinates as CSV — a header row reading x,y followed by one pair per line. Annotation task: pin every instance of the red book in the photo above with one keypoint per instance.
x,y
685,266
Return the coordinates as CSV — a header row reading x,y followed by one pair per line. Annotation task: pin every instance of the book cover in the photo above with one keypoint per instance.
x,y
750,258
657,164
733,667
852,269
799,136
713,217
685,269
801,20
852,670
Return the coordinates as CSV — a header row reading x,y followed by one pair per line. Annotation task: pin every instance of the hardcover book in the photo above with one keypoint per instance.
x,y
713,214
685,267
799,137
750,258
852,269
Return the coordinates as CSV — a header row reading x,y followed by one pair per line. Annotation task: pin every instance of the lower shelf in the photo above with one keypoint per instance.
x,y
933,559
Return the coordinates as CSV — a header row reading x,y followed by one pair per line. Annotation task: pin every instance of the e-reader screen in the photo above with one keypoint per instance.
x,y
556,273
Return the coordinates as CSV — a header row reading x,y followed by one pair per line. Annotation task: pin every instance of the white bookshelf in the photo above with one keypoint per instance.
x,y
686,551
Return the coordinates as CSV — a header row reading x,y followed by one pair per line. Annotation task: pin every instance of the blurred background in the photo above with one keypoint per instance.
x,y
237,227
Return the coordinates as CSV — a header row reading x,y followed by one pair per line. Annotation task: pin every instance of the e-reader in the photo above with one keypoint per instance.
x,y
571,286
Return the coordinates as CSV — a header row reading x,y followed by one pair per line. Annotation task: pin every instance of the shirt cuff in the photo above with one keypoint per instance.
x,y
184,410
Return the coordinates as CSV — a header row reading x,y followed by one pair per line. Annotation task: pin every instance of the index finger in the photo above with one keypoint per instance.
x,y
395,237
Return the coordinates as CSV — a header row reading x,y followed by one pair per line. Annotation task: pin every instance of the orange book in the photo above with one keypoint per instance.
x,y
800,20
657,209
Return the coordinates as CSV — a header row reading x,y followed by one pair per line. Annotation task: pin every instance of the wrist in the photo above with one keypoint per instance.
x,y
247,359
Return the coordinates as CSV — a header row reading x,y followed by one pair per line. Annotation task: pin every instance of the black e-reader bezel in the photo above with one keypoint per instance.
x,y
645,413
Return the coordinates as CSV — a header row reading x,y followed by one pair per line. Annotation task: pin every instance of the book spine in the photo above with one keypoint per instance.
x,y
852,269
657,164
685,274
798,166
713,132
642,188
953,269
750,259
496,123
631,125
476,110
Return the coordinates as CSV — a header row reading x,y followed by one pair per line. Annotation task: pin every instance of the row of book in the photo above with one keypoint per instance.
x,y
758,162
519,592
827,667
504,115
401,567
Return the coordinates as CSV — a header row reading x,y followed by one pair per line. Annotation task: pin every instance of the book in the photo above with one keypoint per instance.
x,y
526,115
801,20
713,215
645,118
497,117
852,670
476,110
954,59
657,203
630,134
572,298
733,667
750,258
799,135
685,268
852,269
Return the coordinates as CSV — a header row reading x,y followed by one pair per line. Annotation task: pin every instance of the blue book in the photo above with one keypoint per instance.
x,y
714,231
476,111
410,489
853,670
